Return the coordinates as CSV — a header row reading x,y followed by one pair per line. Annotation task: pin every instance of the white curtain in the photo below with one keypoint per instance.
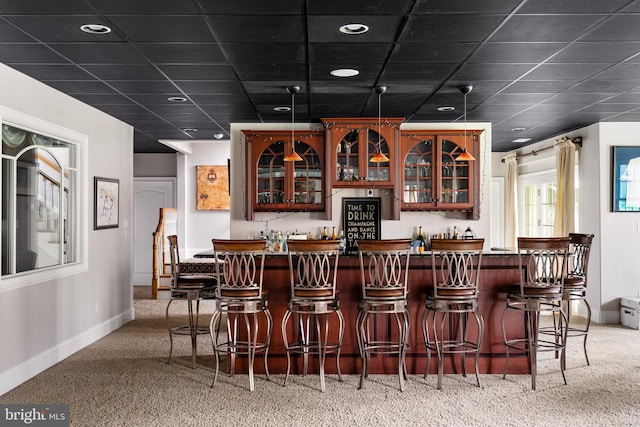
x,y
566,191
511,201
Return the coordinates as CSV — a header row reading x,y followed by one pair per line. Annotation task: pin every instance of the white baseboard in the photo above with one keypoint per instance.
x,y
32,367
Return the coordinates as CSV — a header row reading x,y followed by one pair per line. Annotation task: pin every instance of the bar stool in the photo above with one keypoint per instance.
x,y
191,287
575,286
241,298
455,266
384,269
313,266
543,268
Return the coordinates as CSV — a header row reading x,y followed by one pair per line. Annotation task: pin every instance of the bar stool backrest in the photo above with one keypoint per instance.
x,y
313,267
580,248
174,255
543,265
240,267
455,266
385,271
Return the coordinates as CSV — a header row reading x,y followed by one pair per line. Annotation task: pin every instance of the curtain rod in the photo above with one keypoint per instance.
x,y
577,140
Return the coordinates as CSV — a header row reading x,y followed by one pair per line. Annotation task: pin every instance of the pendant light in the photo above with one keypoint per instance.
x,y
293,156
379,157
465,156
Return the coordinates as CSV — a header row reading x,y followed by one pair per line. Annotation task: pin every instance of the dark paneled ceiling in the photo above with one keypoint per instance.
x,y
545,66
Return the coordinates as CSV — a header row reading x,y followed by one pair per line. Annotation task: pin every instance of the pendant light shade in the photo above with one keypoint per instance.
x,y
293,156
379,157
465,156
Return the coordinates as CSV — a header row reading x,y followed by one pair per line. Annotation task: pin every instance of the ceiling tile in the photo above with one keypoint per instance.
x,y
163,28
182,53
515,52
439,53
544,28
258,29
361,7
449,28
597,52
466,6
28,53
571,6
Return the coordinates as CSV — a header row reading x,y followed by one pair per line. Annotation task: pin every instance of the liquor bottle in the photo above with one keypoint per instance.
x,y
325,234
455,233
334,236
420,239
343,242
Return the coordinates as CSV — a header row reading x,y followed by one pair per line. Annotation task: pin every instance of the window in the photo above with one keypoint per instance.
x,y
538,203
539,198
41,197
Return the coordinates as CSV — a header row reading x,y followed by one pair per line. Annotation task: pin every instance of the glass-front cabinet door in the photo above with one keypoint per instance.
x,y
277,185
433,178
353,143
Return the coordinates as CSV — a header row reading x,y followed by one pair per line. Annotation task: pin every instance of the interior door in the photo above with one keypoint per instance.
x,y
150,194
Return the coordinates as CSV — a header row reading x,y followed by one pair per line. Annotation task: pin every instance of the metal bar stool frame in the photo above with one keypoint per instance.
x,y
575,287
190,288
543,268
313,266
384,277
455,266
240,294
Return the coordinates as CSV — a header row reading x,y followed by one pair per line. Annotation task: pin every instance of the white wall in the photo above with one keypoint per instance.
x,y
432,222
154,165
199,227
45,322
619,235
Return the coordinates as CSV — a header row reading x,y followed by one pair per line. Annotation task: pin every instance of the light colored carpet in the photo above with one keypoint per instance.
x,y
123,379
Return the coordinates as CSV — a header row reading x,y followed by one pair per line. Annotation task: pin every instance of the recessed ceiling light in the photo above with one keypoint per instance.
x,y
189,129
345,72
281,108
354,29
177,99
518,129
218,135
522,140
95,29
446,108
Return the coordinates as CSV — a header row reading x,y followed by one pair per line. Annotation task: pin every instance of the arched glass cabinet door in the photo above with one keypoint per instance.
x,y
270,175
347,160
454,174
376,143
419,174
307,176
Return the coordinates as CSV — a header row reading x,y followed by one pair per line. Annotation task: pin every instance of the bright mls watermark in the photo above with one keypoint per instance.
x,y
34,415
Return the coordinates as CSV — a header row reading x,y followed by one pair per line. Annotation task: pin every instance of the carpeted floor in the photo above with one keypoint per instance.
x,y
124,380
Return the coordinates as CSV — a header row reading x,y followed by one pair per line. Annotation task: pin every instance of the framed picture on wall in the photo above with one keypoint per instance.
x,y
106,203
212,187
625,178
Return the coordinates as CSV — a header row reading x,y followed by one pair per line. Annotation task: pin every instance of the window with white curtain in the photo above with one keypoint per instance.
x,y
537,199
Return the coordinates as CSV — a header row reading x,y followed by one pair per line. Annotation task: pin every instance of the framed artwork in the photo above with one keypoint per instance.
x,y
625,179
106,203
212,188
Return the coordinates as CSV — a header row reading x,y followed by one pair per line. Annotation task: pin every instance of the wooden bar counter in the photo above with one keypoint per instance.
x,y
499,269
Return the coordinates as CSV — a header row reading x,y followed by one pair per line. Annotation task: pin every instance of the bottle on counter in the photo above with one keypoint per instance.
x,y
455,233
420,239
334,236
325,234
343,242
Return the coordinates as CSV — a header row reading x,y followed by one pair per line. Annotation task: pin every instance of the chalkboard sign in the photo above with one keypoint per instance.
x,y
360,221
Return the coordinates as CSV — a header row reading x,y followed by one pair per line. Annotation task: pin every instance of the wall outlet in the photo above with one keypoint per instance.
x,y
370,194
